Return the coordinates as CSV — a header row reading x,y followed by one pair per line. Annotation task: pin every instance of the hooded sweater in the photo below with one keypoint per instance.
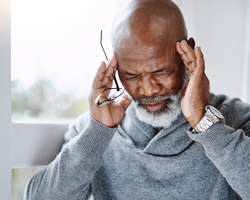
x,y
138,161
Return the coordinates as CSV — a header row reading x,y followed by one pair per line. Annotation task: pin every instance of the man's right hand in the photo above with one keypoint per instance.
x,y
110,114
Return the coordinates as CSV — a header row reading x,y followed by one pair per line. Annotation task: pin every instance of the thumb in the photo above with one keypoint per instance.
x,y
125,100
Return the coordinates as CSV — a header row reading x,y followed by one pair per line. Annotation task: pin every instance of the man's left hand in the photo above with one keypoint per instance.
x,y
196,91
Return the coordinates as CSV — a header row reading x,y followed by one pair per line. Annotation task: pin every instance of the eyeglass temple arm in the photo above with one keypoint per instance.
x,y
116,83
103,48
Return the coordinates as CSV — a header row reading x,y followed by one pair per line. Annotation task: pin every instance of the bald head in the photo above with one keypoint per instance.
x,y
147,25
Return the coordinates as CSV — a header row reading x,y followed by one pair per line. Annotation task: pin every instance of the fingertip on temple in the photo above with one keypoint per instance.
x,y
198,51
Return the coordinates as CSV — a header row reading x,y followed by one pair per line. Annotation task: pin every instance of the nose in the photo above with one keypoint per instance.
x,y
149,86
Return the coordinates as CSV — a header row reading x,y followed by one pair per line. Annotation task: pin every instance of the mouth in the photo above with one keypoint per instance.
x,y
154,106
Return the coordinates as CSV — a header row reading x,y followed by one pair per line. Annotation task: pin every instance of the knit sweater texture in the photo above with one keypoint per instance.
x,y
137,161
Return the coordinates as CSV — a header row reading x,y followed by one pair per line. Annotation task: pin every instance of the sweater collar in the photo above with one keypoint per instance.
x,y
167,142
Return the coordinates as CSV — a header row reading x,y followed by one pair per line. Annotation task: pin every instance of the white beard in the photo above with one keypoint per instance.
x,y
160,118
165,116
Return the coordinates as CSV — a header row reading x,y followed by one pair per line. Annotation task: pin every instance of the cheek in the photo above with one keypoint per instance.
x,y
174,83
168,85
130,87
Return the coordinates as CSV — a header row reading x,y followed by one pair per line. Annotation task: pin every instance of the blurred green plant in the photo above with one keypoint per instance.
x,y
43,101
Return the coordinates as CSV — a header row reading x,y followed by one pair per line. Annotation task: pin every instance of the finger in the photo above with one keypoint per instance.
x,y
188,50
188,66
104,103
200,59
110,71
183,55
98,80
186,60
125,100
189,55
178,48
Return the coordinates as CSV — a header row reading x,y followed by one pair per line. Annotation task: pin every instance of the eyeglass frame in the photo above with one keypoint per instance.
x,y
111,98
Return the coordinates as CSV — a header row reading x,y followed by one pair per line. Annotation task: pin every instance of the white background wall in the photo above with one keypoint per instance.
x,y
221,28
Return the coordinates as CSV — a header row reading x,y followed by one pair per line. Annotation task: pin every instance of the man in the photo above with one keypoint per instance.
x,y
170,142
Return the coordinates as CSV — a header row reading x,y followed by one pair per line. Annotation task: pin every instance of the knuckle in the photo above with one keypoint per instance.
x,y
109,77
193,59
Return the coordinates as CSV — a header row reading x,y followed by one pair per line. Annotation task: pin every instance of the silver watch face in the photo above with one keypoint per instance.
x,y
211,116
215,112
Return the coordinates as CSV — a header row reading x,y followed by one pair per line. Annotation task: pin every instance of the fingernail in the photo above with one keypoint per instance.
x,y
112,61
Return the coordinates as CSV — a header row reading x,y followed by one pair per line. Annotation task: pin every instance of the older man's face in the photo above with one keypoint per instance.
x,y
150,69
151,73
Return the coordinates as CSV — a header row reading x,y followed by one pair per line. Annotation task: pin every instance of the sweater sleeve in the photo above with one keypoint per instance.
x,y
228,147
69,176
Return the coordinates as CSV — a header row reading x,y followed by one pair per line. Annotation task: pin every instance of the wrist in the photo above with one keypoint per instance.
x,y
211,116
194,120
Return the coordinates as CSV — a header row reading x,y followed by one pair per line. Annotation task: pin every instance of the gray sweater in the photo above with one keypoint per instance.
x,y
135,161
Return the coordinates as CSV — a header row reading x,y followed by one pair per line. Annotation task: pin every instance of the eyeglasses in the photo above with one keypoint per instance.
x,y
112,93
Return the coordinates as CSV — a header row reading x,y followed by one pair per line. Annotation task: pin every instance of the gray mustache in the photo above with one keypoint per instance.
x,y
153,99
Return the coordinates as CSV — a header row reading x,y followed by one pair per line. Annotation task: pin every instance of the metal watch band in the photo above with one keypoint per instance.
x,y
211,116
203,125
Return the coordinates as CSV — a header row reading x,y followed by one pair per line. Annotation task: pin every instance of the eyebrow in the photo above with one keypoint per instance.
x,y
130,74
163,69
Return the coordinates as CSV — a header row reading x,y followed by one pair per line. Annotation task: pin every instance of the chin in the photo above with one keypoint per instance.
x,y
163,117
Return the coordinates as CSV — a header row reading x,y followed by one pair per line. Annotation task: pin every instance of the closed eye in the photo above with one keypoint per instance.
x,y
132,77
173,71
163,72
160,73
129,76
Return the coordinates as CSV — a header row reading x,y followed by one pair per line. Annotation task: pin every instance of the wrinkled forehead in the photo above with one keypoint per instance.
x,y
135,48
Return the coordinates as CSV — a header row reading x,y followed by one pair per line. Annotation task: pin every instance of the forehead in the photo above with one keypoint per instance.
x,y
144,46
147,58
147,65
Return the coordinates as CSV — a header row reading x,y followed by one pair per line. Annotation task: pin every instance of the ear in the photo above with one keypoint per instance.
x,y
191,42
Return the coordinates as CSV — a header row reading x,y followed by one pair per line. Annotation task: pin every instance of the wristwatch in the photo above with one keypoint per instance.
x,y
211,116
